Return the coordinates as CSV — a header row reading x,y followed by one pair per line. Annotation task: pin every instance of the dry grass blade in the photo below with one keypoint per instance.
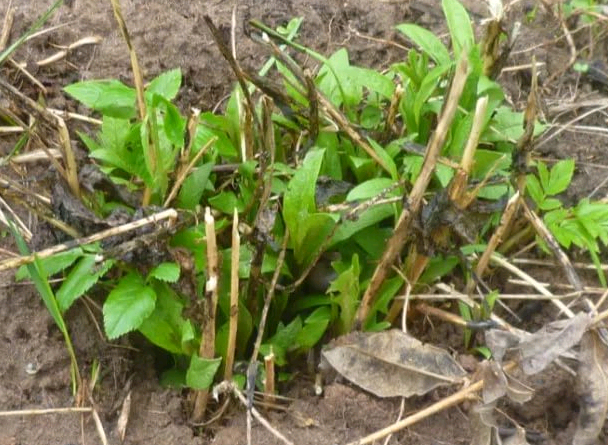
x,y
593,388
401,232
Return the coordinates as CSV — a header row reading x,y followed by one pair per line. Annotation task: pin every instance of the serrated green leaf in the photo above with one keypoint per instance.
x,y
201,372
543,175
427,41
282,341
166,84
109,97
128,305
168,272
560,177
81,278
460,27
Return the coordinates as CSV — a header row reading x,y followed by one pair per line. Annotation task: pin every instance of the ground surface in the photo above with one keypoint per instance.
x,y
171,33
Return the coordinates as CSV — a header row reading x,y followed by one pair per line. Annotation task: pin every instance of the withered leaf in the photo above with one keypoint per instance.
x,y
392,363
482,423
496,383
537,350
593,389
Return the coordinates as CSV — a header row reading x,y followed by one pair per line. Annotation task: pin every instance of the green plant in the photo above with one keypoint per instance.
x,y
583,225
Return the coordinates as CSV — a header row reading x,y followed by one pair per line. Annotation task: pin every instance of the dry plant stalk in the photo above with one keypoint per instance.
x,y
10,263
141,102
55,123
270,378
414,201
234,296
496,239
207,348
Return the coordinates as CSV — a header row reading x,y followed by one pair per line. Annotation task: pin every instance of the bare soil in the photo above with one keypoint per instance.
x,y
34,368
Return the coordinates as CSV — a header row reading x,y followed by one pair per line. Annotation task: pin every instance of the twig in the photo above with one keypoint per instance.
x,y
538,286
16,262
448,402
414,201
38,412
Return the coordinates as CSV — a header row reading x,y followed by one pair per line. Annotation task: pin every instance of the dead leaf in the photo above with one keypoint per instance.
x,y
482,424
392,363
496,383
537,350
593,389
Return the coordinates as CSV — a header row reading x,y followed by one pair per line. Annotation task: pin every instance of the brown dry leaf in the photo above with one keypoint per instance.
x,y
483,424
537,350
496,383
593,389
392,363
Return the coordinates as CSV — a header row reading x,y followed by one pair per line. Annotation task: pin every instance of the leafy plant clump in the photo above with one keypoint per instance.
x,y
319,169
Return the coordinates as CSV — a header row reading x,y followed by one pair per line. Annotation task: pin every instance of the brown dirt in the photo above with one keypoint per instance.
x,y
167,34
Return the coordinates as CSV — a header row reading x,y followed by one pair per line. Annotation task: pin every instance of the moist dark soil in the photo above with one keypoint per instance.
x,y
34,368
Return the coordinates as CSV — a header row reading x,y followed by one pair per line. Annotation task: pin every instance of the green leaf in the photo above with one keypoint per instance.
x,y
174,125
371,188
128,305
550,204
315,228
39,277
165,327
345,290
168,272
460,27
534,189
81,278
560,177
427,41
543,175
314,328
299,199
52,264
201,372
282,341
109,97
166,84
194,186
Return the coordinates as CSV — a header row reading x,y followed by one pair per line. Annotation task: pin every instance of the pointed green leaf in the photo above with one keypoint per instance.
x,y
427,41
460,27
81,278
201,372
166,84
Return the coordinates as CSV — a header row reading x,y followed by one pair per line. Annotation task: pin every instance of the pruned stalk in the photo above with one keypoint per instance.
x,y
207,348
234,296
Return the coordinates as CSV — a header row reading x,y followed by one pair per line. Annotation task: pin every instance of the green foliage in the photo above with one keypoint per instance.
x,y
584,225
325,190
